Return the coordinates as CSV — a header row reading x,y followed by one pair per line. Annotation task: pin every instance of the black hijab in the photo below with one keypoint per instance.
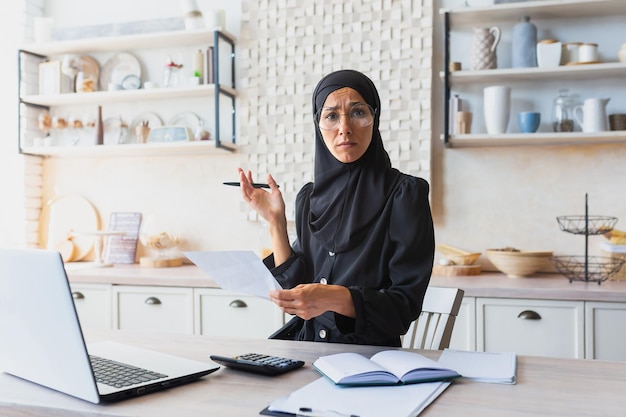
x,y
346,197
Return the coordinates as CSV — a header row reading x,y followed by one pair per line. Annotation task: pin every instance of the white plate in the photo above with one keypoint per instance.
x,y
186,119
153,119
118,67
112,131
65,215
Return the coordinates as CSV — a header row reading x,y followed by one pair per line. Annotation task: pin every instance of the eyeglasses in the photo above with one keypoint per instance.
x,y
361,115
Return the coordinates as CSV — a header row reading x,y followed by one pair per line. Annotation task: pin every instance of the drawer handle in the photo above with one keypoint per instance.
x,y
238,304
152,301
77,295
529,315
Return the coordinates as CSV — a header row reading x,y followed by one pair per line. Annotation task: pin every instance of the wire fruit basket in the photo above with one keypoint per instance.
x,y
587,268
590,225
592,268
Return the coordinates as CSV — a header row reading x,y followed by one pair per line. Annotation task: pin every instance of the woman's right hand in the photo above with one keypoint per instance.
x,y
269,205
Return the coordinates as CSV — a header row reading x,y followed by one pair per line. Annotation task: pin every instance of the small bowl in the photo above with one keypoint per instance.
x,y
519,264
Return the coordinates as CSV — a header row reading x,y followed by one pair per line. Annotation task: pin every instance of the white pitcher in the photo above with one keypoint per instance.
x,y
591,115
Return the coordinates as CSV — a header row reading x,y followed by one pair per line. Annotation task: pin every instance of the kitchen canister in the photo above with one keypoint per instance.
x,y
569,53
524,44
484,43
497,108
563,112
588,53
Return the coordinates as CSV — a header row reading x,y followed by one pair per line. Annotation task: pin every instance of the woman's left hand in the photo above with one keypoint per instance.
x,y
311,300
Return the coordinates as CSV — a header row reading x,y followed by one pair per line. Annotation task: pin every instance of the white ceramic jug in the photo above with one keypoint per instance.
x,y
484,43
593,117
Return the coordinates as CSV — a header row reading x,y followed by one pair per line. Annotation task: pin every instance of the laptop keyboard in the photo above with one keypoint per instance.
x,y
120,375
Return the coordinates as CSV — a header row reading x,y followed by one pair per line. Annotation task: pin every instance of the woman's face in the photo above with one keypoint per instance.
x,y
348,141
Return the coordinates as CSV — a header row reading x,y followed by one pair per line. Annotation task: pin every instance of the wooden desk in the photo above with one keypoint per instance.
x,y
546,386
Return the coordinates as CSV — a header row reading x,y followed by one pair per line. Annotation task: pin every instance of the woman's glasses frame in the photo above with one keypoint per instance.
x,y
360,115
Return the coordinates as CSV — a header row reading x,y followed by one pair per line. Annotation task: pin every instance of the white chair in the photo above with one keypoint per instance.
x,y
433,328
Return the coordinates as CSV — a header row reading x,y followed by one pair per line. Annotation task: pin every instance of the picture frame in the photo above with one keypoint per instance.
x,y
50,78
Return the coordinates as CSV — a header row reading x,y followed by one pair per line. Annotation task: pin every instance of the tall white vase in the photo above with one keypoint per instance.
x,y
497,108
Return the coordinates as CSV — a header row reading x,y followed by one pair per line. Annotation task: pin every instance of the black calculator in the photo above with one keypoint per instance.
x,y
258,363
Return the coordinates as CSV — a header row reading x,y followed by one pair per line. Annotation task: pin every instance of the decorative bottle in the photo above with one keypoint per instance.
x,y
524,44
99,128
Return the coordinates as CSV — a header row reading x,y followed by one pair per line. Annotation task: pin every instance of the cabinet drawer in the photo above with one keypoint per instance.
x,y
605,339
531,327
153,309
93,304
220,313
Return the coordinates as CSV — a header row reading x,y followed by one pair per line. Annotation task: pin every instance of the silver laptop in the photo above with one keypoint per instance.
x,y
41,339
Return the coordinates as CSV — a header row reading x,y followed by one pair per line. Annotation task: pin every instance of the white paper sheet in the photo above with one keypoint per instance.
x,y
237,271
326,398
493,367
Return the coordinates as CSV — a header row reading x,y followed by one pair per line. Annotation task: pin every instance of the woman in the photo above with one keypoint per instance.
x,y
363,257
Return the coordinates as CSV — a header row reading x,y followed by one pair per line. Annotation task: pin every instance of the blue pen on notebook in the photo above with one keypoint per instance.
x,y
254,184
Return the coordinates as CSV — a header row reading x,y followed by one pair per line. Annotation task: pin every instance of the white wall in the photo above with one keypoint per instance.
x,y
13,178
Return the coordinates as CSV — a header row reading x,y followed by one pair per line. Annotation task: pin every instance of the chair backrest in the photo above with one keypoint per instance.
x,y
433,328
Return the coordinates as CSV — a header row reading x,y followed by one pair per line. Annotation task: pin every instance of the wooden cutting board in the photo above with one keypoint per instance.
x,y
456,270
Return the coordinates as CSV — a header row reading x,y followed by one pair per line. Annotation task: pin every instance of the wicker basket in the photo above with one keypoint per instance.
x,y
615,252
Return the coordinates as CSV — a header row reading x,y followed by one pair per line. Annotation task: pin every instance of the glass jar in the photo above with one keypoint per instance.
x,y
563,117
85,83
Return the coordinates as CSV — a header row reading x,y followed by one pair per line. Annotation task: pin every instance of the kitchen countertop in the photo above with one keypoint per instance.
x,y
487,284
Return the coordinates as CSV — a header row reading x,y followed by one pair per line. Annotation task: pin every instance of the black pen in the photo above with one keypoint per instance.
x,y
254,184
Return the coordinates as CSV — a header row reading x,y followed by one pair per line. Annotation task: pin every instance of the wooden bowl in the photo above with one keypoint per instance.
x,y
456,255
519,264
467,259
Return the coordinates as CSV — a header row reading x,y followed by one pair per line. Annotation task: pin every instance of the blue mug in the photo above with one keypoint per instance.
x,y
528,121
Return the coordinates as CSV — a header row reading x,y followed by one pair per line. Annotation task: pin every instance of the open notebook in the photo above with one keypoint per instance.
x,y
42,340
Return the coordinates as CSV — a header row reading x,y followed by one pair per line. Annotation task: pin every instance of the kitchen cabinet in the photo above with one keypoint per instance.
x,y
171,300
605,337
153,309
93,304
531,327
220,313
186,98
597,21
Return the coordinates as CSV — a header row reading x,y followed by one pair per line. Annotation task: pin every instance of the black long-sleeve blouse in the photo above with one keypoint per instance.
x,y
387,272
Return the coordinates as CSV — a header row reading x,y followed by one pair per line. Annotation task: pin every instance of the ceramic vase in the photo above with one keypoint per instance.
x,y
497,108
524,44
484,43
